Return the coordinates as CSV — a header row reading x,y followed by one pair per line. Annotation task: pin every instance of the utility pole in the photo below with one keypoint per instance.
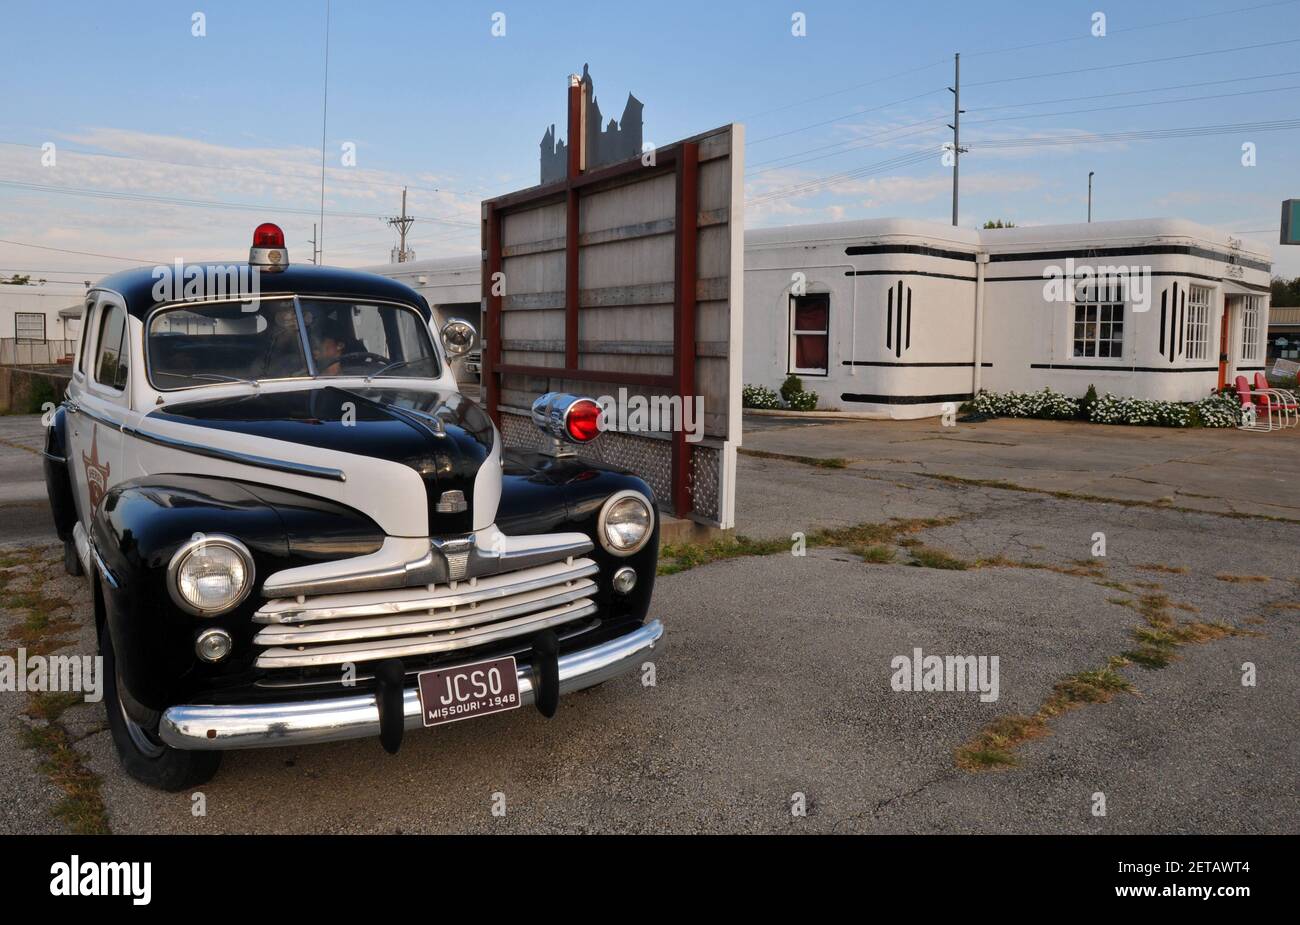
x,y
313,242
403,224
957,149
1090,173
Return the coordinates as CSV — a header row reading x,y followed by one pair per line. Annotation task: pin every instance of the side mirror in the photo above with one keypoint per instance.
x,y
458,337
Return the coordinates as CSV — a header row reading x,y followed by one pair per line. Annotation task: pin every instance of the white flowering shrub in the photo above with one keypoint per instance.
x,y
1222,410
803,401
1044,404
759,396
1215,411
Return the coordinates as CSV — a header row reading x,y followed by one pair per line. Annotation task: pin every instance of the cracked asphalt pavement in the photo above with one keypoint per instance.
x,y
774,677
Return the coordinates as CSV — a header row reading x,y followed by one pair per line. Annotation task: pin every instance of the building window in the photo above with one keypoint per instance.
x,y
810,334
1198,323
1099,319
29,327
1250,327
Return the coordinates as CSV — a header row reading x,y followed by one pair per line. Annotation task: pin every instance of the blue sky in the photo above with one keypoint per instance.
x,y
137,106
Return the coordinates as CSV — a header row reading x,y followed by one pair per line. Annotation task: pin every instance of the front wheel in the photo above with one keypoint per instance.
x,y
144,756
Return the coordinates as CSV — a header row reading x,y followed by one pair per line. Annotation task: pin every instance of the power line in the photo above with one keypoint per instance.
x,y
819,183
854,144
850,145
318,242
1277,125
850,115
1099,96
203,203
64,250
815,184
1153,25
993,51
1189,99
1107,67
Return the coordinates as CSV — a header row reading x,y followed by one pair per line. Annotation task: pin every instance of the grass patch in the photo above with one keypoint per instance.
x,y
1083,568
1162,504
994,746
1241,579
927,557
678,557
1159,567
1157,638
41,632
878,555
49,706
82,807
817,462
858,539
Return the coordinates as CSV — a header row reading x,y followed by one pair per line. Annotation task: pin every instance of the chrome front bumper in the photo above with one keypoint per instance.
x,y
208,726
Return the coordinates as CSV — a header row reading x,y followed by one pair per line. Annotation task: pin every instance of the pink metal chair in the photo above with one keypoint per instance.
x,y
1284,398
1260,412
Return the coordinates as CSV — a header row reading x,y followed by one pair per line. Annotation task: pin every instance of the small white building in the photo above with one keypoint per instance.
x,y
37,325
450,284
894,318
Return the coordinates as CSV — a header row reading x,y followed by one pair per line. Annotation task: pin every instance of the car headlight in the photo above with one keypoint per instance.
x,y
625,522
210,575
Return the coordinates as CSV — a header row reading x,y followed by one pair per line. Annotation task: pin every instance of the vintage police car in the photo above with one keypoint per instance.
x,y
298,530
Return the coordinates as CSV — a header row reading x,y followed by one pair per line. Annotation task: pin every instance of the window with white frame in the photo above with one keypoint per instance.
x,y
1099,319
810,324
1198,323
29,327
1250,307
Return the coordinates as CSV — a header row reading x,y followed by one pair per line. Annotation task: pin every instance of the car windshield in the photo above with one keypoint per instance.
x,y
253,341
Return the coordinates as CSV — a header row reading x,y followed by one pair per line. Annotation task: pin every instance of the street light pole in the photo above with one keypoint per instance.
x,y
1090,173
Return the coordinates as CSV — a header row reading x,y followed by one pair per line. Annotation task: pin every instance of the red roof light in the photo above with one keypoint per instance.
x,y
268,235
583,422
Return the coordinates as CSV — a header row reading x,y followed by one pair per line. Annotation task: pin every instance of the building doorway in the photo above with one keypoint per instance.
x,y
1225,341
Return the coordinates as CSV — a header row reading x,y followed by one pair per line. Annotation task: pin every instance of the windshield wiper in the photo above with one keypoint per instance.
x,y
219,377
397,365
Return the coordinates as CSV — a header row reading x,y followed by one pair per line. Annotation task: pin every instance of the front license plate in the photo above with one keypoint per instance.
x,y
466,691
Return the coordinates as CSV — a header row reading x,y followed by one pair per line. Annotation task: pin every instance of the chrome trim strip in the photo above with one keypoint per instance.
x,y
102,566
423,572
486,589
389,627
430,644
78,408
306,722
245,459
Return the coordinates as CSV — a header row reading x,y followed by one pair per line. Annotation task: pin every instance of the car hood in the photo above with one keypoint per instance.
x,y
442,435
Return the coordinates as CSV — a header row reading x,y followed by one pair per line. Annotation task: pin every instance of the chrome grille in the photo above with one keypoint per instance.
x,y
334,629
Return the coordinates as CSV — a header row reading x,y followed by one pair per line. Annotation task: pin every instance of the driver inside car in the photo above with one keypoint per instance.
x,y
328,353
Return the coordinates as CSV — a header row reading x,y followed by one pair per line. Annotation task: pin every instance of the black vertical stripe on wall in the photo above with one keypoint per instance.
x,y
909,318
889,321
898,325
1173,322
1164,299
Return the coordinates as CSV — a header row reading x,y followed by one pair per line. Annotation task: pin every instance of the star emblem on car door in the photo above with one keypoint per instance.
x,y
96,470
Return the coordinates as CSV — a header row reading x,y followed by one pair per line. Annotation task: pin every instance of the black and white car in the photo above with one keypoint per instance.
x,y
298,530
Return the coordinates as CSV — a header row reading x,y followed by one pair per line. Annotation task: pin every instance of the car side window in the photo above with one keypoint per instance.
x,y
112,358
88,319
